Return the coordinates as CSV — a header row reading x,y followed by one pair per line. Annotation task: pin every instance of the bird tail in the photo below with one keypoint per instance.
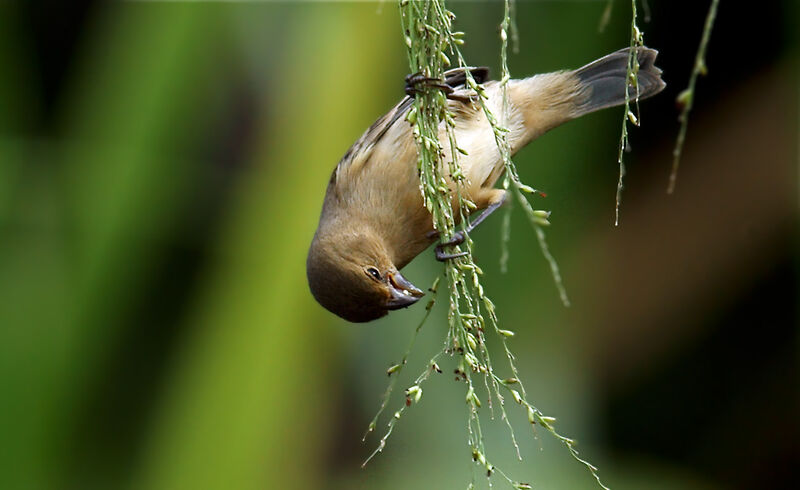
x,y
551,99
604,80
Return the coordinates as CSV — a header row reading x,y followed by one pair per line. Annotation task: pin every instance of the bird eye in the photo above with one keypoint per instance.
x,y
374,273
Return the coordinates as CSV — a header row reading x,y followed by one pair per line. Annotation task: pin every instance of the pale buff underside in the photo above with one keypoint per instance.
x,y
372,188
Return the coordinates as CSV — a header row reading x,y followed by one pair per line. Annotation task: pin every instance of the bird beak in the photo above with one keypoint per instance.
x,y
403,292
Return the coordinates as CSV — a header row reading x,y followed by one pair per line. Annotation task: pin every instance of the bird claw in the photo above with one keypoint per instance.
x,y
459,236
442,256
457,239
415,80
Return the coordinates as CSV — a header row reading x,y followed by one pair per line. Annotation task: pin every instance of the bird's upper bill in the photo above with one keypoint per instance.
x,y
403,293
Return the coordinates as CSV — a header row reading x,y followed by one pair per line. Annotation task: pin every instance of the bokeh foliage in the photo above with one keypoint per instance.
x,y
162,166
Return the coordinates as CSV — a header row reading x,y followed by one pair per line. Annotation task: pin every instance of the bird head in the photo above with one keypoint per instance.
x,y
353,276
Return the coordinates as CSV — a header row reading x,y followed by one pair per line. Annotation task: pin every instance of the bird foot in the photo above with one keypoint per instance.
x,y
415,81
456,239
459,236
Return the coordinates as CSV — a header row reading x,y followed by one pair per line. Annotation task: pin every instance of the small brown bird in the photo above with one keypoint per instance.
x,y
373,221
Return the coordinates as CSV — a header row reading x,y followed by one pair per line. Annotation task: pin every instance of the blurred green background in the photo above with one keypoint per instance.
x,y
162,167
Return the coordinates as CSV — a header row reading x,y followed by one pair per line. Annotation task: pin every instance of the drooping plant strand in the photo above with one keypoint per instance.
x,y
686,97
427,29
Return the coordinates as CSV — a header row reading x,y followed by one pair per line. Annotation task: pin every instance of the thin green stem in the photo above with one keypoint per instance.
x,y
686,97
632,72
427,31
605,17
394,371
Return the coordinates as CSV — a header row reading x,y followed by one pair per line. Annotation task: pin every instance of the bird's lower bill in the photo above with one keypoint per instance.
x,y
403,293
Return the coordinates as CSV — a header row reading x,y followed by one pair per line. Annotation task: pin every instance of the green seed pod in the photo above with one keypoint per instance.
x,y
684,98
412,115
473,344
414,393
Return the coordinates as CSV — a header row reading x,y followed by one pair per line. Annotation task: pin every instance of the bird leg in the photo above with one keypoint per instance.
x,y
413,81
459,236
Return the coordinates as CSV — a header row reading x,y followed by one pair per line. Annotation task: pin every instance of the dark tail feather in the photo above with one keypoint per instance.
x,y
605,79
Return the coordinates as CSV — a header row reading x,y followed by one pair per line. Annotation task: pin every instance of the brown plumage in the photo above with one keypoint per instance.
x,y
373,221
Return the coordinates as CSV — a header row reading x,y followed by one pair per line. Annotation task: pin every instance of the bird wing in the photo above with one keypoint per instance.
x,y
358,154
